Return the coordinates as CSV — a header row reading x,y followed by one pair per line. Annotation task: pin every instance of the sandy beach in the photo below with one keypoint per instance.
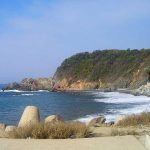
x,y
102,143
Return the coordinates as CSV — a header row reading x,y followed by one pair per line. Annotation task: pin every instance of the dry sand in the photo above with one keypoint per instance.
x,y
100,143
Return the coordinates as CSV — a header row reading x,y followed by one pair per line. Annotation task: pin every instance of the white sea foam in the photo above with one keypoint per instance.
x,y
142,104
42,91
87,118
27,94
116,97
16,91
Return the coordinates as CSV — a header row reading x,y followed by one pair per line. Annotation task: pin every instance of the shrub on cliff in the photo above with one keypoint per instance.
x,y
107,65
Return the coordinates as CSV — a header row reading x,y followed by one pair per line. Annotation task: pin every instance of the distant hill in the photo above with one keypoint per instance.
x,y
105,69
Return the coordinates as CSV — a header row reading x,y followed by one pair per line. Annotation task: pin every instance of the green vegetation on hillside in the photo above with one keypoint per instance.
x,y
108,65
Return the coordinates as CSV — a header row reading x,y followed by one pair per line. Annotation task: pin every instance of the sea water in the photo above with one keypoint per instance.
x,y
82,106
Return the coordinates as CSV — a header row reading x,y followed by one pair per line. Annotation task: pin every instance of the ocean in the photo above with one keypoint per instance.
x,y
82,106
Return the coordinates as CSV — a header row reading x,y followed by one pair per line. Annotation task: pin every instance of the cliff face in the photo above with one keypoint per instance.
x,y
30,84
104,69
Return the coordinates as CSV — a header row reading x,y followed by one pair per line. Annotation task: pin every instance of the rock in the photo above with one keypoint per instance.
x,y
97,121
119,119
110,123
30,84
53,119
12,86
2,126
10,128
29,117
143,90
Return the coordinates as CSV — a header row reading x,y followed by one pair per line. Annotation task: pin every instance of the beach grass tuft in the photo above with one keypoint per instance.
x,y
58,130
135,120
120,132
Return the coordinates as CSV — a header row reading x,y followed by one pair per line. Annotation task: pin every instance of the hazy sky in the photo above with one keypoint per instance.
x,y
36,35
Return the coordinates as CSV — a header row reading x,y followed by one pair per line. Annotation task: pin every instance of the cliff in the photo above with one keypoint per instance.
x,y
105,69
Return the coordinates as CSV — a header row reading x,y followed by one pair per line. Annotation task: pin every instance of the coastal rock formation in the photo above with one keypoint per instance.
x,y
143,90
107,69
29,117
53,119
10,128
97,121
30,84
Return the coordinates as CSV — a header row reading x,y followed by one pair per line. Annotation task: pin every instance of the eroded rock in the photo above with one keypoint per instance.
x,y
53,119
29,117
97,121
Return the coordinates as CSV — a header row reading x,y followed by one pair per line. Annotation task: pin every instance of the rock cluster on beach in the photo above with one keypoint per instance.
x,y
31,117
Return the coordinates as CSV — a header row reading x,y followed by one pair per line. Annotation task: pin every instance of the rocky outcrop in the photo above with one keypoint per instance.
x,y
96,122
29,117
30,84
143,90
53,119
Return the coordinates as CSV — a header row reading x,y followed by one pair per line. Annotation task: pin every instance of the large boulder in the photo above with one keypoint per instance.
x,y
10,128
53,119
29,117
97,121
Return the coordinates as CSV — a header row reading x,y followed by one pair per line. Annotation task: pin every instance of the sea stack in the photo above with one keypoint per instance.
x,y
29,117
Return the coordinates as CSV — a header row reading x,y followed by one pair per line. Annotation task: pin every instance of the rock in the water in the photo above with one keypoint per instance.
x,y
120,118
53,119
2,126
29,117
97,121
10,128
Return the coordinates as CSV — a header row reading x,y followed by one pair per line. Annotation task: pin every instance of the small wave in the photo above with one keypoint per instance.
x,y
116,113
87,118
42,91
27,94
16,91
23,95
141,104
116,98
19,91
